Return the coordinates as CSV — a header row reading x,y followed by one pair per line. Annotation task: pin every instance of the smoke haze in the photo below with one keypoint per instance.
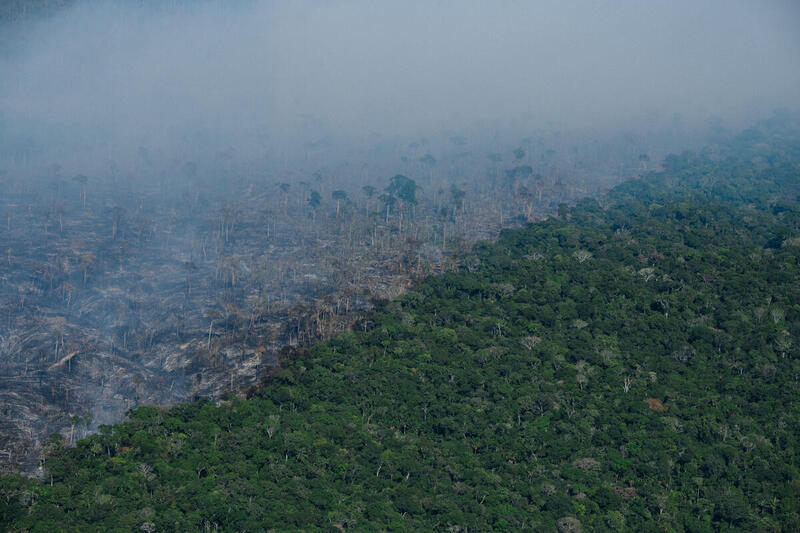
x,y
189,187
266,75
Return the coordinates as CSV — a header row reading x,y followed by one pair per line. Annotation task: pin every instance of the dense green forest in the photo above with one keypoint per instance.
x,y
629,365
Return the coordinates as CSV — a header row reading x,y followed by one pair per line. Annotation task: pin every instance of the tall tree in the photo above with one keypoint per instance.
x,y
338,195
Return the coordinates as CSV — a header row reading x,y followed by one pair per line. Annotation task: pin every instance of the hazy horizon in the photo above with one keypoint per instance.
x,y
259,76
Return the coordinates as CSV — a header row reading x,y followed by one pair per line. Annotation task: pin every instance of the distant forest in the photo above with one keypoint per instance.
x,y
631,364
